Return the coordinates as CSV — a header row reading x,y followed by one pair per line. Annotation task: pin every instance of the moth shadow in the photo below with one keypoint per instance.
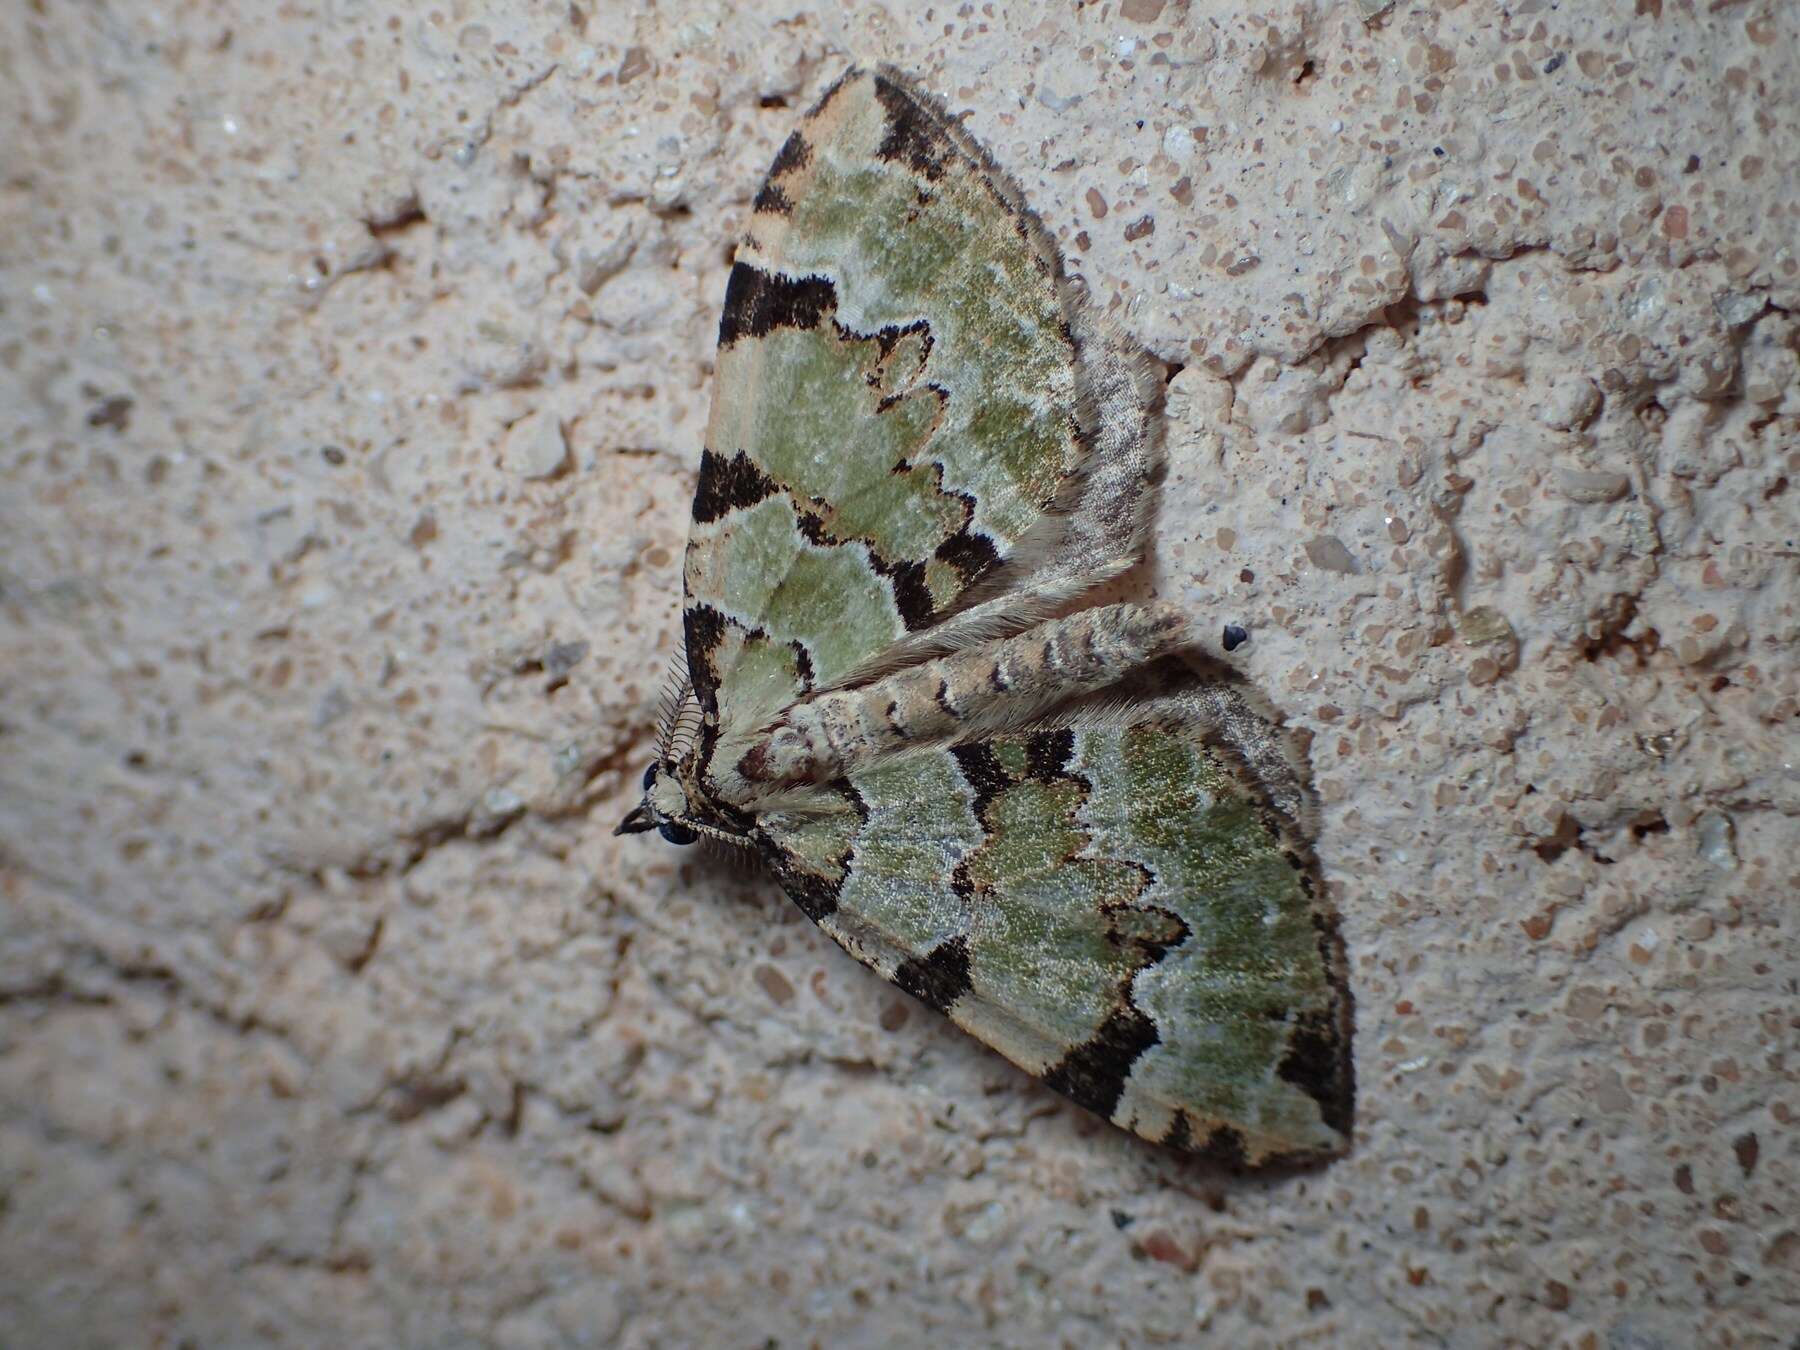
x,y
1206,1178
738,868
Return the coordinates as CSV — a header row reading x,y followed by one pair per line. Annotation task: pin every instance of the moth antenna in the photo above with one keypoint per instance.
x,y
674,700
683,727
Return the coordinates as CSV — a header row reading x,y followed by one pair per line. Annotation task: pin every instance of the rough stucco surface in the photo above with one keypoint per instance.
x,y
353,363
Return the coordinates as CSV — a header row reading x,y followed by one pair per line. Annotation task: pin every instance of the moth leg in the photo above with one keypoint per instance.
x,y
976,691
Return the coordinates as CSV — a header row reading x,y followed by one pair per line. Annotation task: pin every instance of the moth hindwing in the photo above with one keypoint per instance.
x,y
1039,819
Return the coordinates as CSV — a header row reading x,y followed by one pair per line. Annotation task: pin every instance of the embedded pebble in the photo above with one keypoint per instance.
x,y
1328,553
1572,403
535,447
1584,485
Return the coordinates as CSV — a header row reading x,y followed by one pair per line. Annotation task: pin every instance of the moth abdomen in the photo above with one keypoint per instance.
x,y
979,689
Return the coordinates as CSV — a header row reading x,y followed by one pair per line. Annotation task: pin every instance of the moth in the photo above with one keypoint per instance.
x,y
1044,817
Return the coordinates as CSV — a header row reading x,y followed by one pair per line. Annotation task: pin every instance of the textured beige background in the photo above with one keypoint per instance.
x,y
353,363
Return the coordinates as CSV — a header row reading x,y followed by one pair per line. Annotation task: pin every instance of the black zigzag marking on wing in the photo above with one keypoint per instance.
x,y
703,629
888,339
759,302
728,485
987,780
1224,1145
1315,1063
803,664
1094,1073
1181,1134
815,895
794,154
938,978
981,767
913,137
771,200
1047,754
1150,932
912,597
970,552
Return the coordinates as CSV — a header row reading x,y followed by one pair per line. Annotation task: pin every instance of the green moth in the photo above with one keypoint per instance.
x,y
1047,821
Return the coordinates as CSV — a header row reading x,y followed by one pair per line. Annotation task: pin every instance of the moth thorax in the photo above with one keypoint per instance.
x,y
666,795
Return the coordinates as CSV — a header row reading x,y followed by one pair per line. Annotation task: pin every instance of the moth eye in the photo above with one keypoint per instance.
x,y
649,777
676,834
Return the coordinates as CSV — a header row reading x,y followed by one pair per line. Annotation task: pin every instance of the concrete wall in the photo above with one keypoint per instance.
x,y
354,358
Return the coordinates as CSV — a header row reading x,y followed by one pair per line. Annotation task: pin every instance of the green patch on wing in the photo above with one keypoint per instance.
x,y
1040,942
765,672
951,254
816,840
1225,1002
840,446
827,599
920,820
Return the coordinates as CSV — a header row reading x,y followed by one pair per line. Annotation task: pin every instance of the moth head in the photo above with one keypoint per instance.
x,y
664,807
